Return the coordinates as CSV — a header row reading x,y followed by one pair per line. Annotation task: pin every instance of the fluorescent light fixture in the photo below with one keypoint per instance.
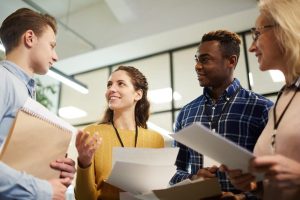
x,y
2,47
160,130
58,75
163,95
277,76
71,112
68,80
250,78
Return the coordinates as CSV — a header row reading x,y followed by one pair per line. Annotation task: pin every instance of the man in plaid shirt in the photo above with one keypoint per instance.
x,y
225,106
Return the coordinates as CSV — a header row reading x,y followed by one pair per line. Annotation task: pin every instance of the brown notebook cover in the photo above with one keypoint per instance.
x,y
33,143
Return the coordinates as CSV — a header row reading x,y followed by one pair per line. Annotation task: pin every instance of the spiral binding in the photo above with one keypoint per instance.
x,y
36,115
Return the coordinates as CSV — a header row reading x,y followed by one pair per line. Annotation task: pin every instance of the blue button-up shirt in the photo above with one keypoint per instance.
x,y
15,87
241,122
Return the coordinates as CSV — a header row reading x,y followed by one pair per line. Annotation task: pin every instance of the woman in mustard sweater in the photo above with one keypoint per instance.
x,y
123,125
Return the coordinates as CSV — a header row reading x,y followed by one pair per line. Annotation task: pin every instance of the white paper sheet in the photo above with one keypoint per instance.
x,y
127,196
147,156
130,196
140,170
206,142
140,178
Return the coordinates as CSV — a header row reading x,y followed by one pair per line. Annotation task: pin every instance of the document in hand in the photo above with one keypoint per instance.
x,y
191,190
36,138
145,174
187,189
140,170
213,145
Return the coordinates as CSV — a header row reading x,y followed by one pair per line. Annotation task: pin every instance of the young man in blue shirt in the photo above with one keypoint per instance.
x,y
225,106
29,39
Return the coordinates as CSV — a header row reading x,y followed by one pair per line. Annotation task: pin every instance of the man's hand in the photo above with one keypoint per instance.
x,y
241,181
206,173
67,168
59,188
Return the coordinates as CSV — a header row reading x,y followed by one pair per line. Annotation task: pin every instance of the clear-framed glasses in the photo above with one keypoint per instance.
x,y
256,32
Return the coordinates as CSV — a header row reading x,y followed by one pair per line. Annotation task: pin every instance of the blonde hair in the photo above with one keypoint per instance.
x,y
286,15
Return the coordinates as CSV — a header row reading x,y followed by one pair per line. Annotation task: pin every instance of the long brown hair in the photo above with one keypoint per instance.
x,y
142,107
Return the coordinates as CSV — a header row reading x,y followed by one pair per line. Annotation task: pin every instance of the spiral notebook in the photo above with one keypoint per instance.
x,y
36,138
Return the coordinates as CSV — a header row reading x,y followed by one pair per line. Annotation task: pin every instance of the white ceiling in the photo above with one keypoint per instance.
x,y
86,26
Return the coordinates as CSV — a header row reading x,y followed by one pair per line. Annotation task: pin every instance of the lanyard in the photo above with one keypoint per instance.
x,y
119,137
214,120
277,122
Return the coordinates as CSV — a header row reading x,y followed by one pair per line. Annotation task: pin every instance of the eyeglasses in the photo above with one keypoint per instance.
x,y
255,32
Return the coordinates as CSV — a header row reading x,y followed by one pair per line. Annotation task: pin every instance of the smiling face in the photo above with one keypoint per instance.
x,y
212,68
43,53
266,47
120,93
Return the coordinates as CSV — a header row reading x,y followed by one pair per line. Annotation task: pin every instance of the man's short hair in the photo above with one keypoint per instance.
x,y
229,41
19,22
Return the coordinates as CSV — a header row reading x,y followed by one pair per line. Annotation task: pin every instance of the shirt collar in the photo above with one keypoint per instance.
x,y
20,74
230,90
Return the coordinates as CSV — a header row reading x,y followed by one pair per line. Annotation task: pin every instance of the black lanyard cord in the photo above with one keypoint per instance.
x,y
276,123
119,137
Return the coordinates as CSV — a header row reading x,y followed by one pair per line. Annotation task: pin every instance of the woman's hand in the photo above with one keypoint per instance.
x,y
278,169
86,146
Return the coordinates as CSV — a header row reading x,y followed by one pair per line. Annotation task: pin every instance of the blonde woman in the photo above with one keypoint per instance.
x,y
276,44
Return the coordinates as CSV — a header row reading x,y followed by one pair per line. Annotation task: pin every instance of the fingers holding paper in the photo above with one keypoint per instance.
x,y
240,180
87,145
58,188
206,173
67,168
279,170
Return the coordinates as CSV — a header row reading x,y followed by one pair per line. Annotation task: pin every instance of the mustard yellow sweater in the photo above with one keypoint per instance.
x,y
90,182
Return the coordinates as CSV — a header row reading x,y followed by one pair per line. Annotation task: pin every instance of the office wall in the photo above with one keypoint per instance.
x,y
171,66
173,69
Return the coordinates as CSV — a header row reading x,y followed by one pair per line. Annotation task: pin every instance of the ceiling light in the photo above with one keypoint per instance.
x,y
71,112
277,76
58,75
68,80
251,79
163,95
2,47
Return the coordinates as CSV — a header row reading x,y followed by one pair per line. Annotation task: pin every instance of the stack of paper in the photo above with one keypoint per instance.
x,y
187,189
140,170
145,174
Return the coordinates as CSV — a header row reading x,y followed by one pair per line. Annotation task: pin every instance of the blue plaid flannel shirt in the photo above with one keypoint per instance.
x,y
242,123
